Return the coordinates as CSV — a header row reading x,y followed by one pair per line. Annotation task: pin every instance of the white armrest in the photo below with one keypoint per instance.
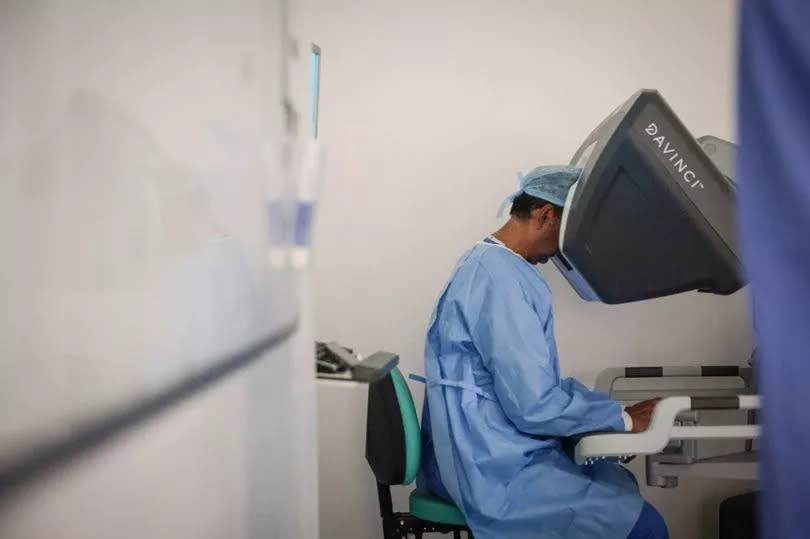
x,y
662,429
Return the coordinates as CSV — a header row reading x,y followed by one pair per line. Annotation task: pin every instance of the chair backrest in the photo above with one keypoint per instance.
x,y
393,438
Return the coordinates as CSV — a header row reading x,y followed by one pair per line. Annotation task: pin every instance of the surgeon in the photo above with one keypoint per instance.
x,y
497,414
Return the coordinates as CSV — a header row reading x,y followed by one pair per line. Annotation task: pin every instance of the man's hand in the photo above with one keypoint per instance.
x,y
641,413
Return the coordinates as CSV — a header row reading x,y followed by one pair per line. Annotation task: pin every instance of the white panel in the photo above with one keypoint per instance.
x,y
132,207
139,143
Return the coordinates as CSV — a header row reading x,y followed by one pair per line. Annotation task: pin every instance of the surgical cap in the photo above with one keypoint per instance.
x,y
551,183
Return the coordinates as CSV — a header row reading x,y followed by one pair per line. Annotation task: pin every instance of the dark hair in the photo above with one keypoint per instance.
x,y
524,204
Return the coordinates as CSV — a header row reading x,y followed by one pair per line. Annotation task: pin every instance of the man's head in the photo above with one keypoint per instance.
x,y
537,209
538,223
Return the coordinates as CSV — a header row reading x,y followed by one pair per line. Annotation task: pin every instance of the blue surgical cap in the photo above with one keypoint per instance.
x,y
551,183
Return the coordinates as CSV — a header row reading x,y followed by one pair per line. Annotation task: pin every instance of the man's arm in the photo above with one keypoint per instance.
x,y
572,384
636,417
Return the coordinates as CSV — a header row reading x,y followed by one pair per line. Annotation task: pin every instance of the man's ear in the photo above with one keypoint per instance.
x,y
538,217
541,217
544,215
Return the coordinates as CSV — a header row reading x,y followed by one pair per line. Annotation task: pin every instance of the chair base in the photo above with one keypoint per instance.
x,y
402,525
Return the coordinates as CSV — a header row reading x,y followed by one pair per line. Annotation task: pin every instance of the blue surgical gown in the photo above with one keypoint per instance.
x,y
496,412
774,170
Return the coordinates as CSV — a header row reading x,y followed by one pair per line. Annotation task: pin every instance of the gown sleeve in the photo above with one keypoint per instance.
x,y
508,333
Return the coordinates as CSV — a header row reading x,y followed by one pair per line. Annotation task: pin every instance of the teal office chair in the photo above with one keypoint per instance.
x,y
394,452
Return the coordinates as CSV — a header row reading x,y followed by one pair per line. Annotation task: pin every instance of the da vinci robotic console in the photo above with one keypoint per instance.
x,y
652,215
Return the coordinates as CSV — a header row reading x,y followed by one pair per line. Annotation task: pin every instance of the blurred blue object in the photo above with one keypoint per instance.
x,y
774,171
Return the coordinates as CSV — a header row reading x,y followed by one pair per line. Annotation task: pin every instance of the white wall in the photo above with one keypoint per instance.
x,y
429,109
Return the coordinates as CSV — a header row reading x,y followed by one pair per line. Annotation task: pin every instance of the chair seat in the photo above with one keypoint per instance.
x,y
428,507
